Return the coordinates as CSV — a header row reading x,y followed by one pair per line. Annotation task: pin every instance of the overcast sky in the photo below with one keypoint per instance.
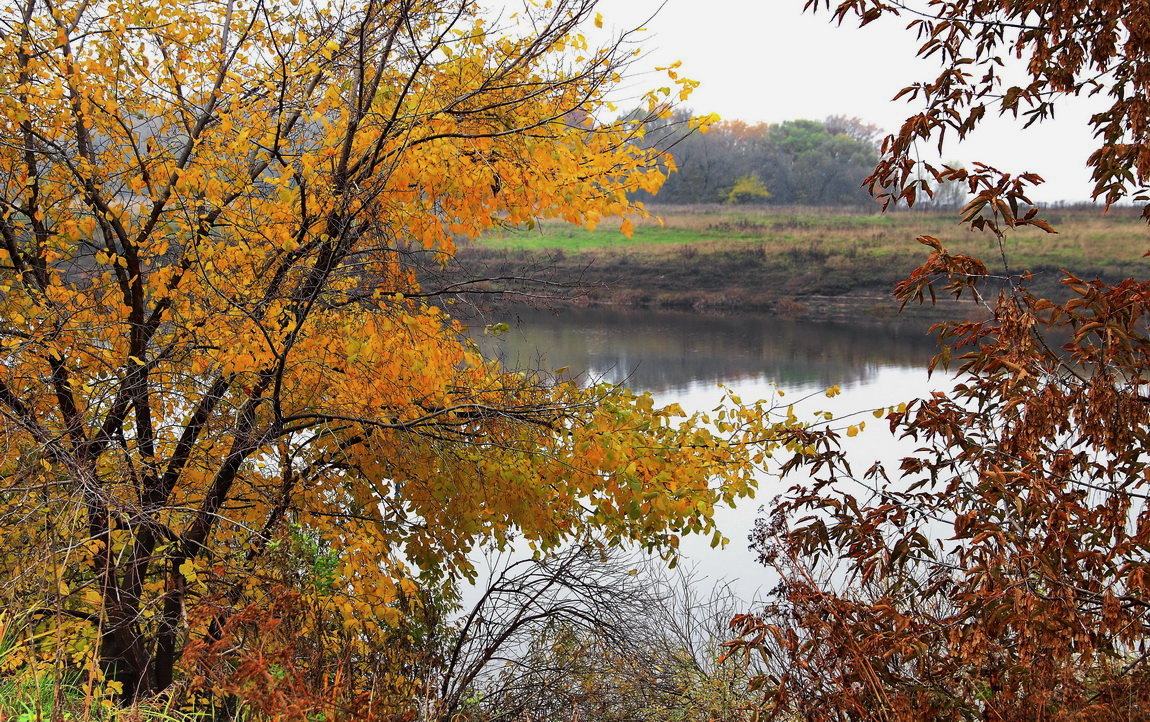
x,y
765,60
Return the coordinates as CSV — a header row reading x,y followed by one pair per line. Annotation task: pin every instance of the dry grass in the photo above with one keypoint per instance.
x,y
1087,238
779,257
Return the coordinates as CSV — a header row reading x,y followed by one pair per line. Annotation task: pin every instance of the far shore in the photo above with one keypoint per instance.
x,y
803,263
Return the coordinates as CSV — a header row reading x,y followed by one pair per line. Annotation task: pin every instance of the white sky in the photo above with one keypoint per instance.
x,y
765,60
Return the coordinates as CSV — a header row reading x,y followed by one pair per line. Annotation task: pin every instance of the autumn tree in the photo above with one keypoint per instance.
x,y
798,161
230,417
1001,572
853,127
748,189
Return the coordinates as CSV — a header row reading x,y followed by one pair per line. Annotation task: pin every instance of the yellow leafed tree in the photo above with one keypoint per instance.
x,y
211,334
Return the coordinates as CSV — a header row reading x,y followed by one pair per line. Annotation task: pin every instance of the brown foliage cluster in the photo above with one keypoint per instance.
x,y
1002,572
269,660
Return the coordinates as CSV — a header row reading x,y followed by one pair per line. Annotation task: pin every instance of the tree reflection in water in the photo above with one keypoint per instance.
x,y
661,351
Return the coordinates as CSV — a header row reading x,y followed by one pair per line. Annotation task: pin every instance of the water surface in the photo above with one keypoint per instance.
x,y
664,351
683,357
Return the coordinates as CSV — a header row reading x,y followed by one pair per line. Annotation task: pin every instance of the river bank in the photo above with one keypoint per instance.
x,y
709,281
812,264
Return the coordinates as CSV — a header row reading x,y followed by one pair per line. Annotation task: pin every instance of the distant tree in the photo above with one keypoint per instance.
x,y
817,167
704,166
799,161
748,189
853,127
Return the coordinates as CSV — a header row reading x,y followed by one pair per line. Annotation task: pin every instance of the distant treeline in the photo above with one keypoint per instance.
x,y
806,162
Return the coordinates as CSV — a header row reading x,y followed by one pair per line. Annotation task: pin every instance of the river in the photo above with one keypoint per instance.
x,y
683,357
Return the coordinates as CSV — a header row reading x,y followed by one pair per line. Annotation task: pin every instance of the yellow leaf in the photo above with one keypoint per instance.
x,y
188,571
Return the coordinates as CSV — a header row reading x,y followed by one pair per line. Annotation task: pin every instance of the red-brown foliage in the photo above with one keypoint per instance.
x,y
1004,572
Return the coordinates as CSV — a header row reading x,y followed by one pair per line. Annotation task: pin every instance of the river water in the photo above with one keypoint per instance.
x,y
683,357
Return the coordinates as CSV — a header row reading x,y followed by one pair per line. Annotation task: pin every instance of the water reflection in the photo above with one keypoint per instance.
x,y
682,356
660,351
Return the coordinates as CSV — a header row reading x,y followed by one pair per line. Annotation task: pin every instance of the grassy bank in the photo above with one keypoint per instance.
x,y
796,261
